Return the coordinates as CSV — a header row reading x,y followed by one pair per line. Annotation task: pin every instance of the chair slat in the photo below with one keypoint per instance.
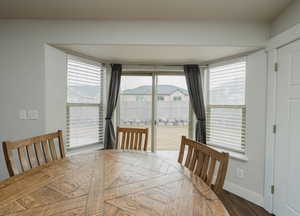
x,y
131,142
181,151
117,139
32,152
222,173
136,141
46,151
11,163
203,174
123,140
140,141
32,156
218,180
211,171
146,140
40,153
22,152
132,138
199,163
52,149
127,140
193,161
189,155
61,144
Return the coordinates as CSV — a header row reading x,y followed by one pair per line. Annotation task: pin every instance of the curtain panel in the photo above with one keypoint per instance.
x,y
113,95
194,77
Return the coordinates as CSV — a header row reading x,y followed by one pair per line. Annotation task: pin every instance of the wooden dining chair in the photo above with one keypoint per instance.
x,y
204,162
29,153
132,138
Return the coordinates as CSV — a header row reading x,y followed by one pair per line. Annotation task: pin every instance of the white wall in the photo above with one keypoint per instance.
x,y
287,19
23,68
21,86
251,186
137,32
55,89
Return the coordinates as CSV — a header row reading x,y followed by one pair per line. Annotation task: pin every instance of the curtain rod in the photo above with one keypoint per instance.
x,y
183,65
161,65
153,68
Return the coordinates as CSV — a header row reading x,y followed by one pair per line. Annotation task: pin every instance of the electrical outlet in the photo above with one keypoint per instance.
x,y
22,114
240,173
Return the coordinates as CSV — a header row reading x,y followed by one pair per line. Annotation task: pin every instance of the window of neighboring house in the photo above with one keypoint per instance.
x,y
177,98
226,107
140,98
161,98
85,116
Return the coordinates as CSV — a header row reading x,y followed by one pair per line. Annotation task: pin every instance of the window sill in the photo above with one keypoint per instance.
x,y
87,148
232,154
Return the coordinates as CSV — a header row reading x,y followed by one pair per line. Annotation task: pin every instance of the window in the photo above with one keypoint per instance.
x,y
140,98
226,109
84,103
177,98
161,98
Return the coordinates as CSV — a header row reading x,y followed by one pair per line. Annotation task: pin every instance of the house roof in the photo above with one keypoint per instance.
x,y
161,90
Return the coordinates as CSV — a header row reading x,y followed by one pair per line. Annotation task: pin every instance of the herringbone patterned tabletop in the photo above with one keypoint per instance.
x,y
109,183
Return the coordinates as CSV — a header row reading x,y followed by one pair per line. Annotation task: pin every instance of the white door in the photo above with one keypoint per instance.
x,y
287,149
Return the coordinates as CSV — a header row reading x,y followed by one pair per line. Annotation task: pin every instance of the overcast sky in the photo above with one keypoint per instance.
x,y
130,82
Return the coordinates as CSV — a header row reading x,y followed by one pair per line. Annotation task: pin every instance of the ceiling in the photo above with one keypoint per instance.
x,y
143,54
238,10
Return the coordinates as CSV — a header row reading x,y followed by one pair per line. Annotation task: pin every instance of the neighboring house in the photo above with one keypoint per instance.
x,y
164,93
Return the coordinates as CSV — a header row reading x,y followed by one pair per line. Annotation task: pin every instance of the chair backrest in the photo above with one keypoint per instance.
x,y
203,162
132,138
26,154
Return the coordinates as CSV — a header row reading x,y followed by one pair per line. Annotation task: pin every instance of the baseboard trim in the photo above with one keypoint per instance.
x,y
249,195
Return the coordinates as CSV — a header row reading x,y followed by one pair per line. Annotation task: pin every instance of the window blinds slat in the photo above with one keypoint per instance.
x,y
81,64
226,111
85,116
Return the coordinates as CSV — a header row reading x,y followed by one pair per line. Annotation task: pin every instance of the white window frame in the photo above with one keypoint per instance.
x,y
243,108
101,105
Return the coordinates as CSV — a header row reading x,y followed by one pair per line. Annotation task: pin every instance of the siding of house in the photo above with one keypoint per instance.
x,y
178,94
132,97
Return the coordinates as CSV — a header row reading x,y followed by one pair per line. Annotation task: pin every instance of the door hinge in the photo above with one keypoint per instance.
x,y
274,128
276,67
272,189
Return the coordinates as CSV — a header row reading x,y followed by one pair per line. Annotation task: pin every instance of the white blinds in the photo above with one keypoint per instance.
x,y
84,103
226,110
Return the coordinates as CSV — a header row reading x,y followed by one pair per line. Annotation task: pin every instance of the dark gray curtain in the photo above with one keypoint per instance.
x,y
114,87
194,83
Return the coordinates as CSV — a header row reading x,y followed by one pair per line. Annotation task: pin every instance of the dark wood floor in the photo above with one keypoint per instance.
x,y
238,206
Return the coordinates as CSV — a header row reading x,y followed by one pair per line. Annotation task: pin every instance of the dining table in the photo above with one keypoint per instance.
x,y
109,182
